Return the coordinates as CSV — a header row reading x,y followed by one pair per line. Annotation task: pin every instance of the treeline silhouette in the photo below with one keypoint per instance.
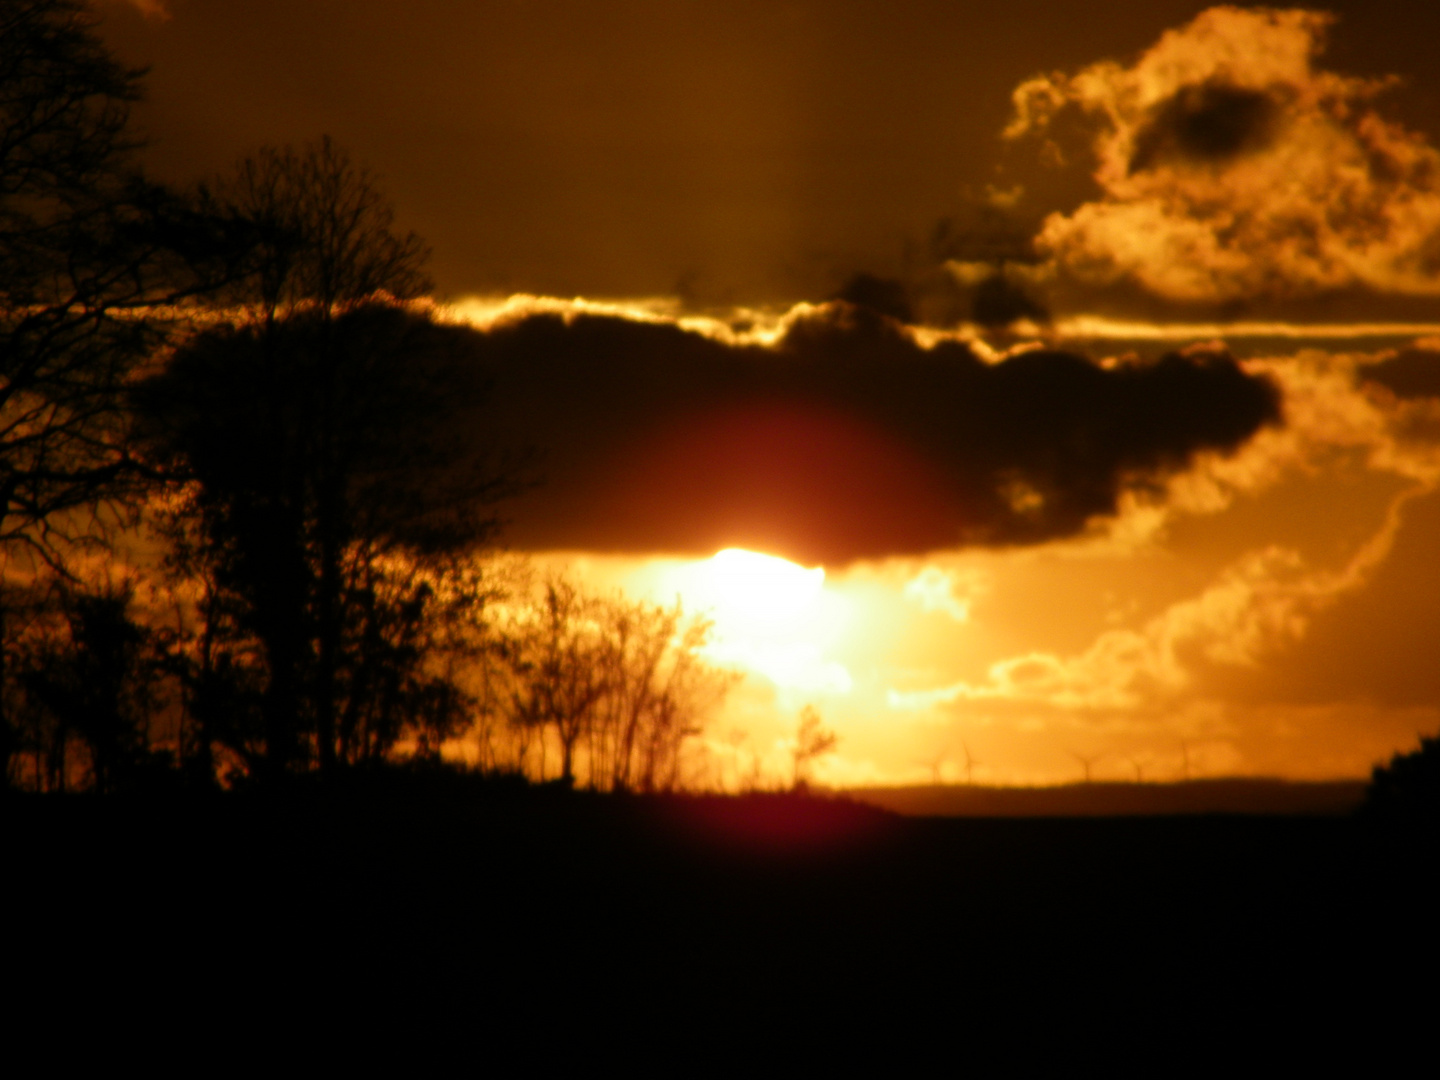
x,y
244,504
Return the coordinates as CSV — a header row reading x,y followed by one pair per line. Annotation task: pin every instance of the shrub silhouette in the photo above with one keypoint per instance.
x,y
1406,792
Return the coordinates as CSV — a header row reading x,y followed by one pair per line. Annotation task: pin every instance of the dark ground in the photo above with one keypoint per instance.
x,y
485,908
1255,796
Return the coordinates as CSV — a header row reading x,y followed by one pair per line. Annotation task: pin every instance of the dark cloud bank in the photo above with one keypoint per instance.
x,y
1213,122
844,440
1410,373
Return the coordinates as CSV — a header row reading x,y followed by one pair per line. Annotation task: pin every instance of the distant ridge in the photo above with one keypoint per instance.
x,y
1232,795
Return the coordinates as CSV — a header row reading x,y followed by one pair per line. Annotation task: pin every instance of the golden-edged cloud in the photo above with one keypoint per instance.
x,y
1232,167
843,437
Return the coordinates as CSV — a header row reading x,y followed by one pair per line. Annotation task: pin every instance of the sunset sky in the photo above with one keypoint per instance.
x,y
1043,549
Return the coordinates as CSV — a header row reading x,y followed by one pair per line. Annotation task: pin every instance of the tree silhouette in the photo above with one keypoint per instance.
x,y
662,691
812,741
319,234
335,549
560,670
321,244
92,681
90,255
333,479
623,680
66,270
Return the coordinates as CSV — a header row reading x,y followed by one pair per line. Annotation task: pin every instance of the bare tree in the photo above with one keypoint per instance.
x,y
623,751
66,274
561,671
320,235
92,258
664,691
90,253
624,681
812,741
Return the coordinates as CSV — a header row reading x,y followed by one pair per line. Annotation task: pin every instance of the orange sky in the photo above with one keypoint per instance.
x,y
1026,564
1271,612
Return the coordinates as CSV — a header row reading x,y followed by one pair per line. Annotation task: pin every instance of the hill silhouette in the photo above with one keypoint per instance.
x,y
1222,795
436,898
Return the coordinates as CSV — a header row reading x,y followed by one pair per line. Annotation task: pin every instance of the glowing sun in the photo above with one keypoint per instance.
x,y
761,592
771,616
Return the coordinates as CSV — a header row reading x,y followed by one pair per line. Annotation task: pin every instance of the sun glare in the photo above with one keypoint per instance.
x,y
771,616
762,592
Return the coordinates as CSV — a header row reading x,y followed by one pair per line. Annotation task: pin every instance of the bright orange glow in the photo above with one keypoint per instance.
x,y
1193,636
762,593
772,616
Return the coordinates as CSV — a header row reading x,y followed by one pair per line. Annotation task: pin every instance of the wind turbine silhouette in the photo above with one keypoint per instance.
x,y
970,764
1086,762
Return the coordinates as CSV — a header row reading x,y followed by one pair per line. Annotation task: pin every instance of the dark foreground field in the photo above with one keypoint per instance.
x,y
488,908
1224,795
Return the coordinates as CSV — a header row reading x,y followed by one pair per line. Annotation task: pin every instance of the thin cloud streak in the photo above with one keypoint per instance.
x,y
1101,328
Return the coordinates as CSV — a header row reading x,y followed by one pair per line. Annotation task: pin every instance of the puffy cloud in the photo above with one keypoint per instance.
x,y
839,437
1233,168
1256,605
933,588
1410,373
1264,600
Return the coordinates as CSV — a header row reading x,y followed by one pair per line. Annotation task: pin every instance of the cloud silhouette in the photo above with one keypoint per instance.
x,y
1413,372
1232,168
1212,122
1268,597
843,438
